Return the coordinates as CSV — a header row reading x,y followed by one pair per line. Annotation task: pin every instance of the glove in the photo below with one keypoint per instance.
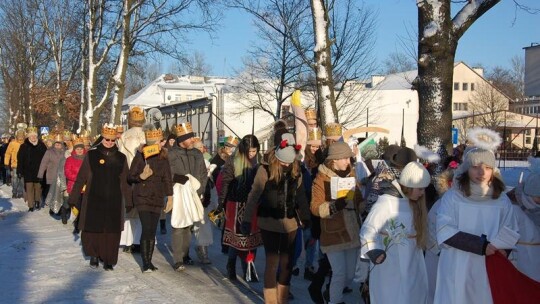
x,y
168,207
146,173
340,203
375,254
181,179
219,208
75,211
245,228
128,209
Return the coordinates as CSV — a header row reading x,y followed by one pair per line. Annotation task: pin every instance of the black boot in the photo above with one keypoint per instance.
x,y
94,262
144,256
37,205
231,269
316,286
76,226
151,245
162,227
63,215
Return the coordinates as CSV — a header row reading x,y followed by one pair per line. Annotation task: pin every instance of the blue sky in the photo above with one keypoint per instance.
x,y
492,41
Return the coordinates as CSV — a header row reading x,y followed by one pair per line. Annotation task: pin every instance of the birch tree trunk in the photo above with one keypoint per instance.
x,y
438,36
323,64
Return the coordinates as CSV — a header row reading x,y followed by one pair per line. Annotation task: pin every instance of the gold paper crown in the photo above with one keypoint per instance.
x,y
31,130
108,131
183,128
57,137
333,130
78,141
119,128
153,135
314,135
136,114
67,135
231,141
311,114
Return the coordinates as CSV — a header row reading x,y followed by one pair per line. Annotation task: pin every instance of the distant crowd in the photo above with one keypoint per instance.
x,y
408,226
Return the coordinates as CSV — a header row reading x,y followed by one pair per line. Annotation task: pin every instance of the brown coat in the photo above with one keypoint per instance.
x,y
340,230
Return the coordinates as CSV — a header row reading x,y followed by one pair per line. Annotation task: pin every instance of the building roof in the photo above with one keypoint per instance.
x,y
397,81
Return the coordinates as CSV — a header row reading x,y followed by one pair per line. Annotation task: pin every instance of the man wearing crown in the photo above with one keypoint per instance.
x,y
129,143
188,170
29,159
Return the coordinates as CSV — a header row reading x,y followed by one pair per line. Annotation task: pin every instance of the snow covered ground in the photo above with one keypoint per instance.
x,y
41,261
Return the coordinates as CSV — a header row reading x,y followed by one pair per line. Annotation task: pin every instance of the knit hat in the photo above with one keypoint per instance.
x,y
414,175
484,143
339,150
531,186
287,149
389,152
403,156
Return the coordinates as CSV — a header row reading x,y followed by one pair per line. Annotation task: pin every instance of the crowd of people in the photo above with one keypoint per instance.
x,y
411,227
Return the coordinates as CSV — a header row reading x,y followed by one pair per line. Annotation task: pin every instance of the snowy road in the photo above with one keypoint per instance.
x,y
42,262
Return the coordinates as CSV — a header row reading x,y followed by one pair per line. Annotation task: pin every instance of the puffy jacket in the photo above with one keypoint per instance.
x,y
49,163
10,158
71,169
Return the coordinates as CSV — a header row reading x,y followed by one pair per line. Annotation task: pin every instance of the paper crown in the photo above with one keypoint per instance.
x,y
31,130
183,128
231,141
66,135
153,135
136,114
108,131
119,129
57,137
333,130
21,126
314,136
311,114
78,141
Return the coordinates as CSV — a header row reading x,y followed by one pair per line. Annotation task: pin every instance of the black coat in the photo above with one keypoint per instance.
x,y
103,174
148,195
28,160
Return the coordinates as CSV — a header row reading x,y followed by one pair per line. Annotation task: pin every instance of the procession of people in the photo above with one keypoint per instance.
x,y
351,218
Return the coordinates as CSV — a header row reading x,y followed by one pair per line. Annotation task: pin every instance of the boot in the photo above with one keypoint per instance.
x,y
231,270
270,295
162,226
63,215
76,225
282,294
144,256
94,262
151,245
202,253
37,205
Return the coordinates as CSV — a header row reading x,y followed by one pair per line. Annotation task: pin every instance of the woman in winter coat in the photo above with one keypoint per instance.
x,y
393,238
340,218
29,159
469,219
71,169
237,177
278,197
103,175
50,164
150,175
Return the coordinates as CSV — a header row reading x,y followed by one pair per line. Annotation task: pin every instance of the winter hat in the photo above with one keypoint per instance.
x,y
414,175
389,152
531,186
484,143
339,150
403,157
287,149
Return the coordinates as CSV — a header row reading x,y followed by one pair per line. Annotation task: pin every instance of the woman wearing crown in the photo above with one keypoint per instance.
x,y
103,175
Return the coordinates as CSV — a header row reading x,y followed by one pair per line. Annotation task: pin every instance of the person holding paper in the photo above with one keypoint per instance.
x,y
470,219
339,208
150,175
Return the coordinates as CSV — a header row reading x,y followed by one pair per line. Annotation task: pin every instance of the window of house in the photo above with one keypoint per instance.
x,y
177,97
472,86
528,140
188,97
465,86
528,132
456,86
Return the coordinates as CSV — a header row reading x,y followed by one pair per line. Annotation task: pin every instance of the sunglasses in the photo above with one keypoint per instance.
x,y
109,140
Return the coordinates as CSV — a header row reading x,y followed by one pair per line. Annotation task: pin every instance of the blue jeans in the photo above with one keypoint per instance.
x,y
17,184
310,244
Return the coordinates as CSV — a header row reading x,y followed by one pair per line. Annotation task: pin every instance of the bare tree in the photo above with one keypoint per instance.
x,y
397,62
491,103
194,64
438,36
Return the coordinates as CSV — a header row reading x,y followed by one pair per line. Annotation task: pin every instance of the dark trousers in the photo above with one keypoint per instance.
x,y
149,222
279,251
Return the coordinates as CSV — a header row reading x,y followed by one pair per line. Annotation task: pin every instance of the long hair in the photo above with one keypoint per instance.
x,y
276,171
309,158
464,183
420,215
241,156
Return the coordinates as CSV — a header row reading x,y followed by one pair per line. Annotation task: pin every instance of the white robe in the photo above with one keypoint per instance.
x,y
527,252
402,277
461,275
432,251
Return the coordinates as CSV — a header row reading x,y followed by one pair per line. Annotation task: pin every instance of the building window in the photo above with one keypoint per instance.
x,y
527,140
188,97
456,86
528,132
472,86
177,97
461,106
465,86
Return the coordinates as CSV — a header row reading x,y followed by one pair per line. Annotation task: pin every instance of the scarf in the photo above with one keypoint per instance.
x,y
480,192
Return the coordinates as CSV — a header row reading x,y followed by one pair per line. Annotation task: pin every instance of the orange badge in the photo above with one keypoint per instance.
x,y
102,161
